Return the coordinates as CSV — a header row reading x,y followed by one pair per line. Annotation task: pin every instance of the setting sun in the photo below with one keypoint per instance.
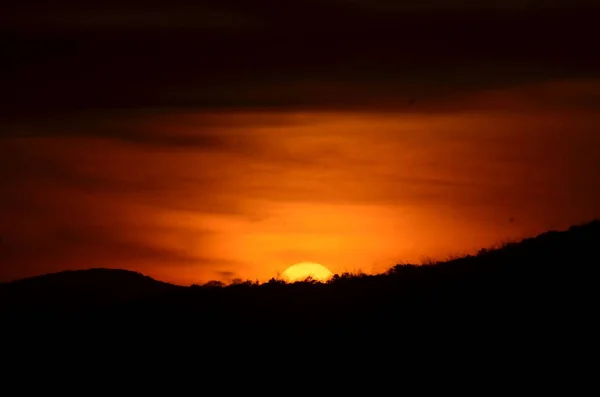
x,y
301,271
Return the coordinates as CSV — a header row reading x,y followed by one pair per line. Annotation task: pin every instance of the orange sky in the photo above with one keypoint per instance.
x,y
191,196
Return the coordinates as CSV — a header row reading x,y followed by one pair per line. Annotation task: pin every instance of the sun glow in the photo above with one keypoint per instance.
x,y
303,270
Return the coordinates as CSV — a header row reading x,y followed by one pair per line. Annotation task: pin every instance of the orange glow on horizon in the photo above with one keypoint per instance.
x,y
255,191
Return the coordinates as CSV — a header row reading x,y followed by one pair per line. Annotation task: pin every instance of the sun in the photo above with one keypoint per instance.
x,y
301,271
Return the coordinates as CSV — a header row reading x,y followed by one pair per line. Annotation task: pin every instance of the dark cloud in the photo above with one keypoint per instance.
x,y
80,244
92,246
124,16
293,54
36,171
113,127
225,275
162,128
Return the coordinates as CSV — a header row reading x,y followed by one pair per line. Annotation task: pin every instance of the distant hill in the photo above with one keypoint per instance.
x,y
80,289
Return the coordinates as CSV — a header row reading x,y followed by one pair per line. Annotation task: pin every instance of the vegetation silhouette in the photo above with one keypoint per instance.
x,y
539,282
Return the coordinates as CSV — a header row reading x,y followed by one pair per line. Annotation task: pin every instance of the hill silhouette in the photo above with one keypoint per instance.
x,y
538,282
79,290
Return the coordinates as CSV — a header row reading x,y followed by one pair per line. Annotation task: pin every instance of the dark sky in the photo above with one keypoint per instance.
x,y
233,53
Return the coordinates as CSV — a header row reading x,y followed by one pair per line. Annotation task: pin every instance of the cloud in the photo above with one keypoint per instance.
x,y
226,276
223,131
56,246
115,128
124,17
41,175
349,54
90,246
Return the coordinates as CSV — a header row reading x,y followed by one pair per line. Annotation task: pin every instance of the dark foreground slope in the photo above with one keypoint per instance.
x,y
543,283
